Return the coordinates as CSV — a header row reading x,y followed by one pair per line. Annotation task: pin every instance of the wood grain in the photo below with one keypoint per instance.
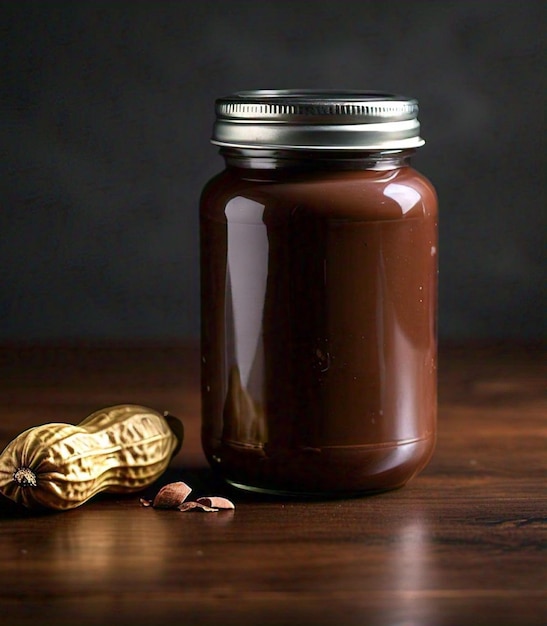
x,y
463,543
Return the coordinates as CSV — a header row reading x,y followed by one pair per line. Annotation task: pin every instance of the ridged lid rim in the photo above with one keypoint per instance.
x,y
270,104
317,119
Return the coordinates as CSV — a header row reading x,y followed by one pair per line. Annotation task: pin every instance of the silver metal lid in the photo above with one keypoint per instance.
x,y
317,120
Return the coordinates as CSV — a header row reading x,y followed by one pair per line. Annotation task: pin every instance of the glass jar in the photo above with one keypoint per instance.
x,y
319,290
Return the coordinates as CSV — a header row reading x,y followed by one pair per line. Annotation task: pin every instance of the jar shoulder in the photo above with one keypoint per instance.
x,y
363,194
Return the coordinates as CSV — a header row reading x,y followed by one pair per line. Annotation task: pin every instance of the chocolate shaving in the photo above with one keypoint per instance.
x,y
217,502
171,496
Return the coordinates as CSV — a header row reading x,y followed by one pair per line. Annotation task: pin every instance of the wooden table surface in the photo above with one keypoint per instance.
x,y
462,544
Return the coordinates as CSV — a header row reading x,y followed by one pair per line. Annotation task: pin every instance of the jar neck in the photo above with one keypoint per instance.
x,y
257,159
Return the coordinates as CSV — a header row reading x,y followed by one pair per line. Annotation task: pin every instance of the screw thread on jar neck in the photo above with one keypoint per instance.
x,y
267,159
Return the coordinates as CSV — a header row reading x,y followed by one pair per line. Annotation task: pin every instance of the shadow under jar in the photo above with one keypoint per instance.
x,y
319,290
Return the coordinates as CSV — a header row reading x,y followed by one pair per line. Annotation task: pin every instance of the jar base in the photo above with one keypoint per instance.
x,y
309,495
341,471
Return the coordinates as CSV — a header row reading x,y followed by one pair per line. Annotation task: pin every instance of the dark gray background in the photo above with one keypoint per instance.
x,y
107,110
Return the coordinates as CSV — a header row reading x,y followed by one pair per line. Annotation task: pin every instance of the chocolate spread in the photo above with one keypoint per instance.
x,y
318,327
